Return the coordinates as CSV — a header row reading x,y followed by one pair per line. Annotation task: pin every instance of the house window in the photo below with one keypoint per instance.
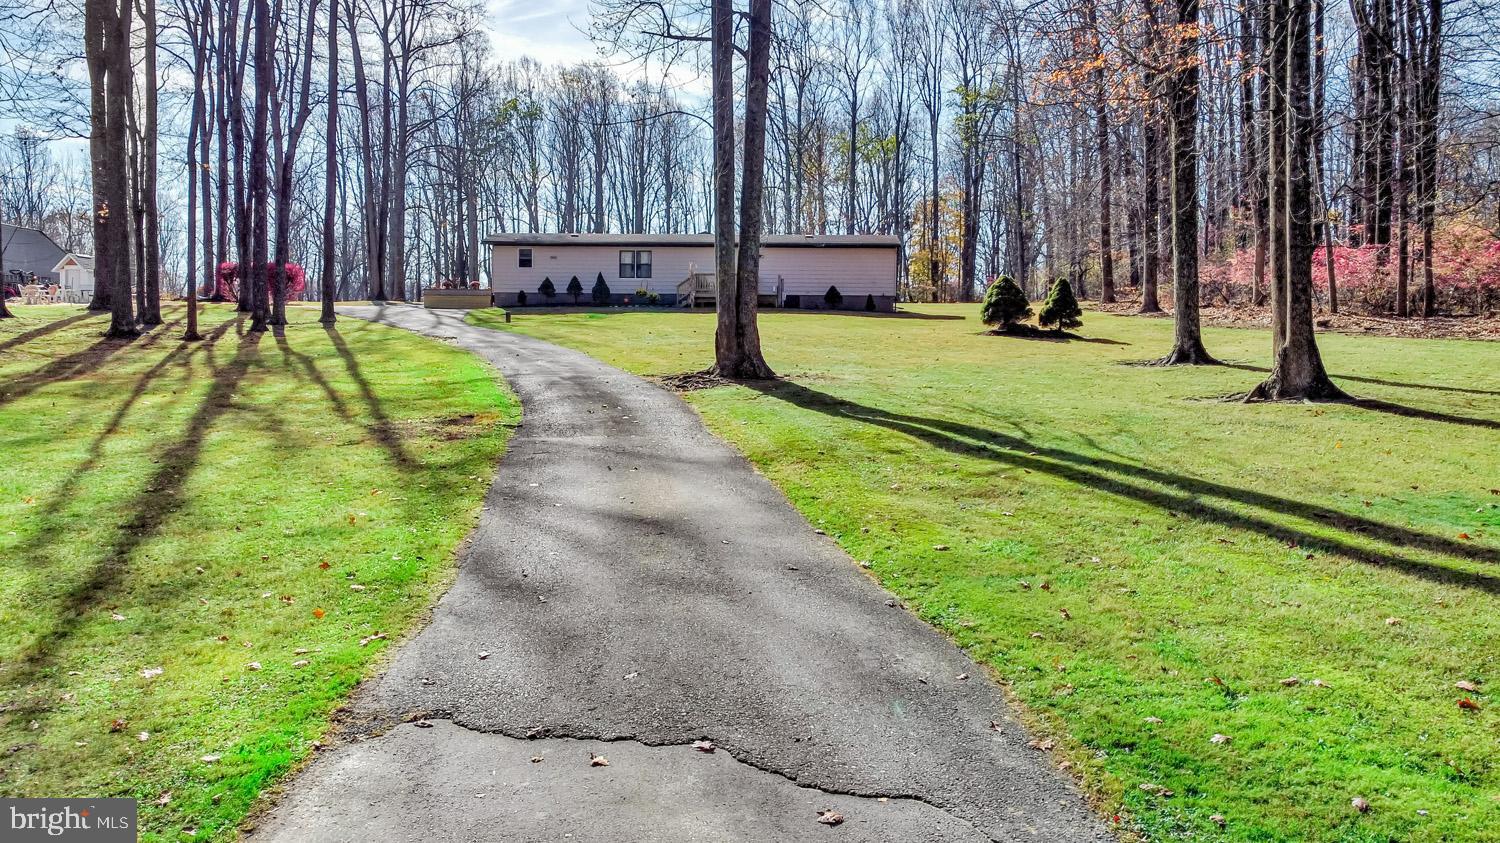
x,y
525,260
635,264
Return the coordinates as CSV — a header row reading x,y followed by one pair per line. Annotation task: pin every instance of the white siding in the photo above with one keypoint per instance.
x,y
805,271
810,271
669,266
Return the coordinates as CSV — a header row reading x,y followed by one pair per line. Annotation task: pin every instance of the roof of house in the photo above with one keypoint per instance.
x,y
28,250
833,241
84,261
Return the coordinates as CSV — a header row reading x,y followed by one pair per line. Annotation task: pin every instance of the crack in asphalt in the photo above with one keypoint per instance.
x,y
555,733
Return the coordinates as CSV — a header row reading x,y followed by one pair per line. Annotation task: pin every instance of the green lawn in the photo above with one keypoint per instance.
x,y
198,542
1144,564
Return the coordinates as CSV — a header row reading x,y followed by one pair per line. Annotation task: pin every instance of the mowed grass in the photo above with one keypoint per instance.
x,y
205,546
1144,564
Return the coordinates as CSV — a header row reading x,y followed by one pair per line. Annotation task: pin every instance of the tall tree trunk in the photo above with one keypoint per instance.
x,y
265,80
1297,373
151,276
751,363
1150,212
96,53
113,20
1427,124
329,290
197,23
1187,340
726,334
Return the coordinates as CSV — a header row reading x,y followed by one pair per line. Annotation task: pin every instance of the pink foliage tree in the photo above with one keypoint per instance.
x,y
1465,265
227,278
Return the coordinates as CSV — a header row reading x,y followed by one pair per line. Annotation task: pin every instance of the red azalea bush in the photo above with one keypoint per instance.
x,y
1465,268
227,279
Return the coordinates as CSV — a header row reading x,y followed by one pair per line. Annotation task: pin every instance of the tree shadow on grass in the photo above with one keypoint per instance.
x,y
39,543
43,330
1379,382
1181,493
78,363
1031,332
381,430
1418,413
158,499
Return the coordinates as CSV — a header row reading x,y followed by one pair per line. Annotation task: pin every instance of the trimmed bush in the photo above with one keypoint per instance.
x,y
575,289
1061,309
521,299
548,289
1004,303
641,295
870,302
653,299
833,298
600,293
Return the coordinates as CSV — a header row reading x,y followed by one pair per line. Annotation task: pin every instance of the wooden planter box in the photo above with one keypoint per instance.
x,y
456,299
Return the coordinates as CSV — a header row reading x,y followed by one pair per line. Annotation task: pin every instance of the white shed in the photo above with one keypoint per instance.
x,y
796,271
75,274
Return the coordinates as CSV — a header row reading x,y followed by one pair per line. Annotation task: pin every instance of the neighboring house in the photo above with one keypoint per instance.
x,y
27,251
795,270
75,273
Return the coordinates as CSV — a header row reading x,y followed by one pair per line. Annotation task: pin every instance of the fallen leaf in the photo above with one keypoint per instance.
x,y
1065,614
319,613
1464,536
1393,621
323,566
536,759
356,587
1217,819
1291,682
830,817
368,638
598,760
1037,635
1466,685
117,725
1468,705
1153,720
209,759
301,663
1043,745
934,547
704,746
484,654
963,676
152,672
1218,738
143,736
1318,683
1360,804
423,724
253,666
116,616
164,798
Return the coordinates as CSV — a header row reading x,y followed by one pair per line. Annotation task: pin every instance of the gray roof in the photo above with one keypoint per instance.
x,y
826,241
84,261
29,250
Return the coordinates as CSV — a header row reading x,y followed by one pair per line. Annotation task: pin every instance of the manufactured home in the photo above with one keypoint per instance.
x,y
796,271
